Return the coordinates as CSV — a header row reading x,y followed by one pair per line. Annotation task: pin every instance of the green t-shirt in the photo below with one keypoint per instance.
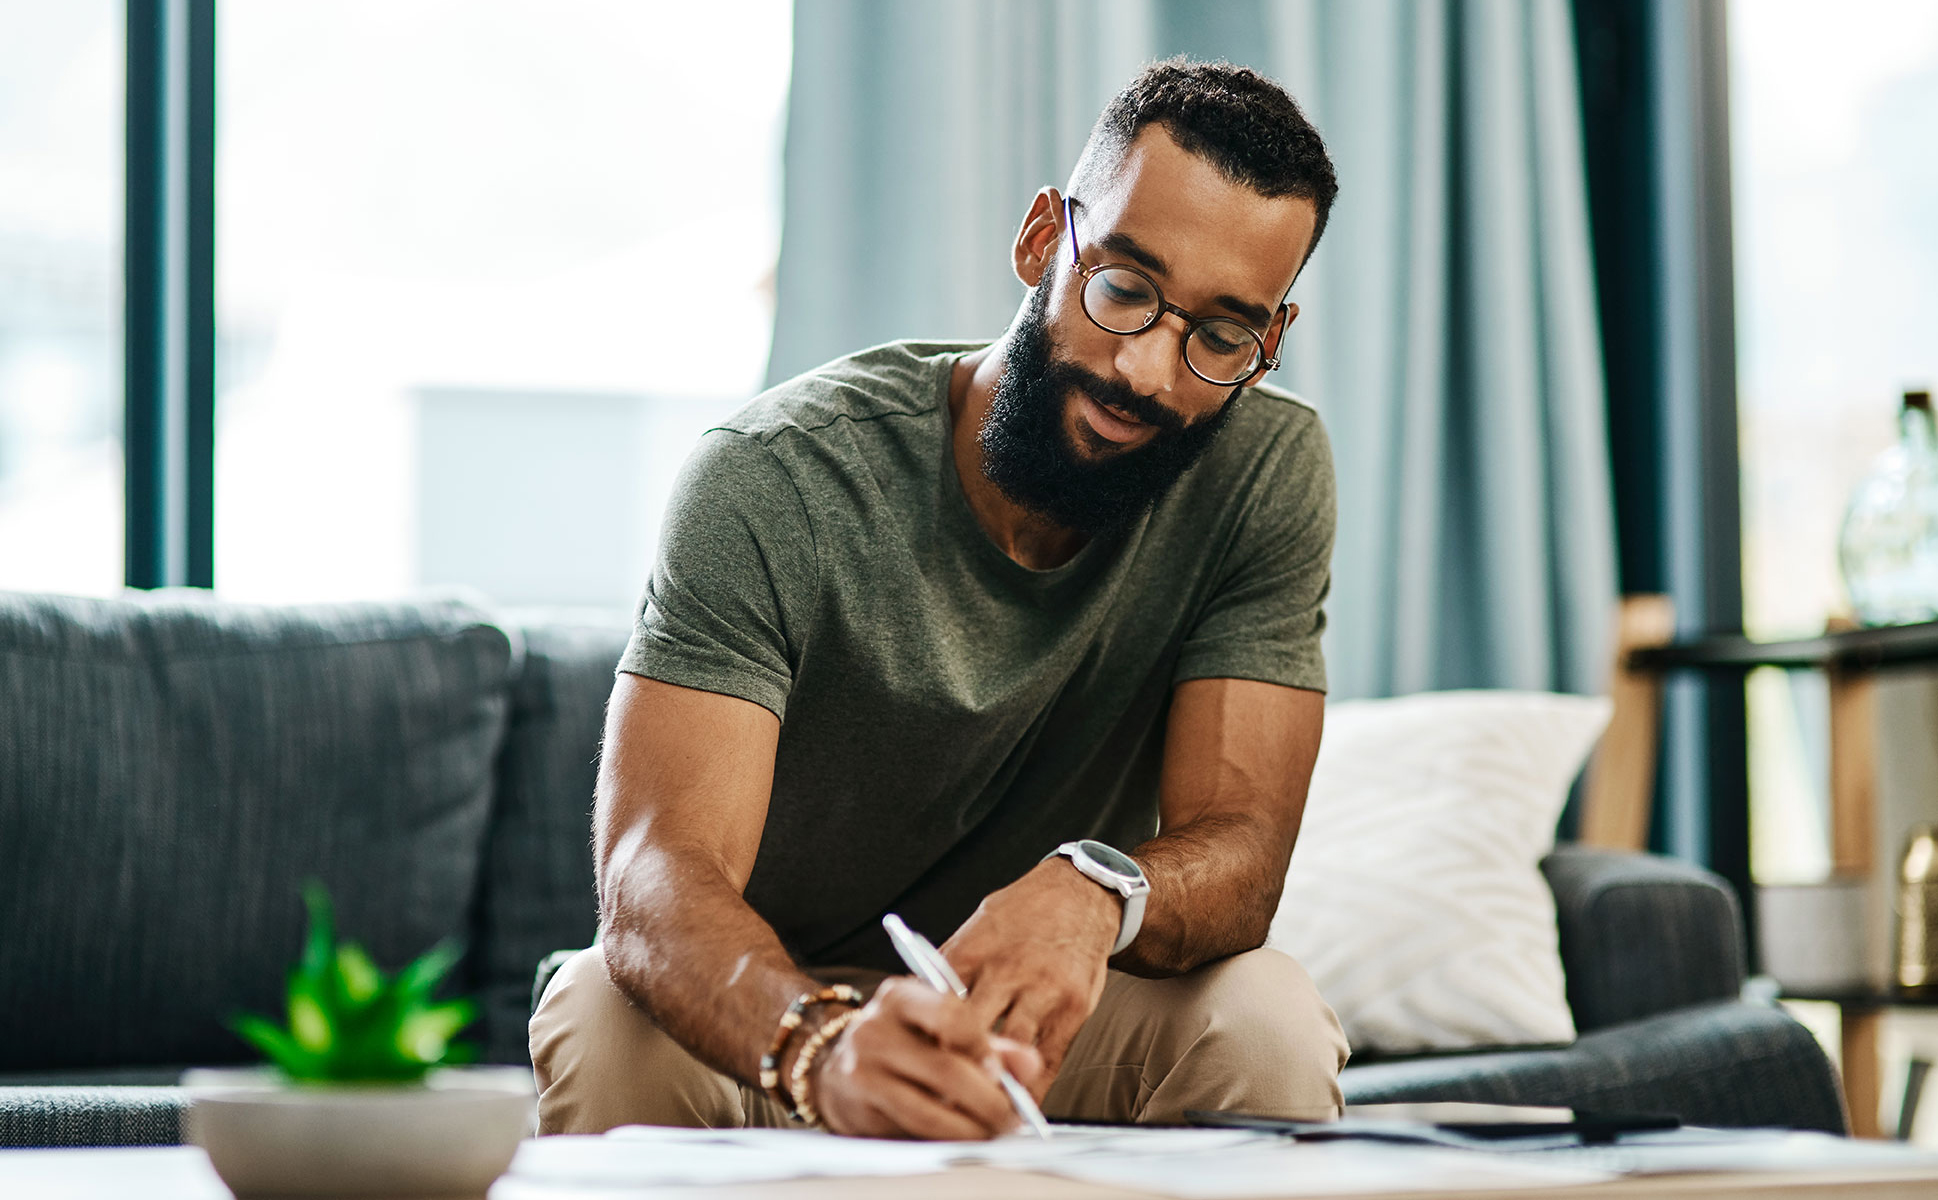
x,y
949,716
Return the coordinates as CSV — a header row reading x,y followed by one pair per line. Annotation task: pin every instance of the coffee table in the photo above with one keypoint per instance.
x,y
183,1173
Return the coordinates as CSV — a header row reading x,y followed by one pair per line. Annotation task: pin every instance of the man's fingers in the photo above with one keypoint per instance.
x,y
886,1055
964,1086
1054,1038
956,1079
1022,1059
906,1110
989,1002
949,1021
1028,1013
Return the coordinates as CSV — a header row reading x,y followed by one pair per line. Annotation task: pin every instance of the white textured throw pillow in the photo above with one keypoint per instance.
x,y
1415,897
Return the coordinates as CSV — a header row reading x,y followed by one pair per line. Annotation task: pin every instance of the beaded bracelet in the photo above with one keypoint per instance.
x,y
770,1062
797,1079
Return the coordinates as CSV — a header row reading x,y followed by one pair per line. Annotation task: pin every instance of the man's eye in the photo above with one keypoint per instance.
x,y
1125,292
1221,340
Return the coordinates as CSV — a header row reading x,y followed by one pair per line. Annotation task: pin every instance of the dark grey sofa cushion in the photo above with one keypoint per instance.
x,y
1727,1064
537,890
172,769
91,1116
1642,934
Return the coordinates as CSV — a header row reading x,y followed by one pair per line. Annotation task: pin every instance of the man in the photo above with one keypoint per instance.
x,y
927,617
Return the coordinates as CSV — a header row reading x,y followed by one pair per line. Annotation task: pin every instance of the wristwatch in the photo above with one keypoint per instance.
x,y
1119,872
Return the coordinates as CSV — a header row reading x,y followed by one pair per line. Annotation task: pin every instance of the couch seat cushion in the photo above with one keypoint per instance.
x,y
1727,1064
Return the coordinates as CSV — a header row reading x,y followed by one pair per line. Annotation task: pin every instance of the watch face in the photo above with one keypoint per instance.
x,y
1111,860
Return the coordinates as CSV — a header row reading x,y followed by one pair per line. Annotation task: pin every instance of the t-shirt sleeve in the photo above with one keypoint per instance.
x,y
727,606
1266,610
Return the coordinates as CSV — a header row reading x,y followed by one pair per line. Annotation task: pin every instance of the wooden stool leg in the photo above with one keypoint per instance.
x,y
1853,772
1621,777
1914,1088
1861,1084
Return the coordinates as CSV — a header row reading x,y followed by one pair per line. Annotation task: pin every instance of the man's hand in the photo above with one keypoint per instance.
x,y
1033,958
917,1063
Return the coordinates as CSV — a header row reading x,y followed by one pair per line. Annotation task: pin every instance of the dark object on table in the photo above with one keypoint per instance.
x,y
1587,1128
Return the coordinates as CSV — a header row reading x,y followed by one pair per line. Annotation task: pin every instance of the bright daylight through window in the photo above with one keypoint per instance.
x,y
60,296
485,270
1835,175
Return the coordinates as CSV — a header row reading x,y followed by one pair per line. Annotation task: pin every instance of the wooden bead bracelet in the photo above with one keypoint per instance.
x,y
797,1079
770,1062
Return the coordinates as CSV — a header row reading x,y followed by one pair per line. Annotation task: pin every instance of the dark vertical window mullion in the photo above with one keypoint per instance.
x,y
169,293
1722,508
145,275
198,502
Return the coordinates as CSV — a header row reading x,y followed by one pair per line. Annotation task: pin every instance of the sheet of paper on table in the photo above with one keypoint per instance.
x,y
1697,1150
638,1155
1376,1166
1179,1162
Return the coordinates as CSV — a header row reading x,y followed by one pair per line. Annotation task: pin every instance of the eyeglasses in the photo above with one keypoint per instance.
x,y
1124,300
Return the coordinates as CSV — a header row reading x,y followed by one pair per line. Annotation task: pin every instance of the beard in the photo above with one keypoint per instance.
x,y
1031,459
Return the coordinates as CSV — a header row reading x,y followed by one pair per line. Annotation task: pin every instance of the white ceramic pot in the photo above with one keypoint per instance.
x,y
448,1136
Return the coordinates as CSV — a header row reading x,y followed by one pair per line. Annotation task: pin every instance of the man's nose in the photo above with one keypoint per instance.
x,y
1150,361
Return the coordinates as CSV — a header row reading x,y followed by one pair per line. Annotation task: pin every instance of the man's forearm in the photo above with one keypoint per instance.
x,y
1215,885
684,944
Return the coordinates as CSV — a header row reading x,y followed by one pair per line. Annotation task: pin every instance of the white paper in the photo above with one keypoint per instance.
x,y
1319,1169
1194,1164
637,1158
1683,1151
649,1155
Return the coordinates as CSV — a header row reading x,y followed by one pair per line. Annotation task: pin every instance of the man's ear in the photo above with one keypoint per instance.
x,y
1037,241
1275,336
1288,313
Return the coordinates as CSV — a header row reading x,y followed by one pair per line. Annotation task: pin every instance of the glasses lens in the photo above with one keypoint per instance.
x,y
1223,351
1120,300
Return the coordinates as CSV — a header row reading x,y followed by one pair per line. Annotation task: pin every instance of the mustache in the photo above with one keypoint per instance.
x,y
1115,394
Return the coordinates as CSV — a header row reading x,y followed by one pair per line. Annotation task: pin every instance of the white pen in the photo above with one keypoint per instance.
x,y
931,968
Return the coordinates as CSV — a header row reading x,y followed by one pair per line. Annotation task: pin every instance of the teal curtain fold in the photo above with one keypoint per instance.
x,y
1448,331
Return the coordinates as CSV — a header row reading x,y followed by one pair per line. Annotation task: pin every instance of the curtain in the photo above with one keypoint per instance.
x,y
1448,332
1656,116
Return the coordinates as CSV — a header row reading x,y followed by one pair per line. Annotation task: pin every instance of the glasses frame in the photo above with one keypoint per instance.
x,y
1266,362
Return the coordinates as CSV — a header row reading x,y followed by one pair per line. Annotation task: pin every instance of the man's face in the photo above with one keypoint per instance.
x,y
1088,428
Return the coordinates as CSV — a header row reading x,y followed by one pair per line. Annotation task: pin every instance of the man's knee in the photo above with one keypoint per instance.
x,y
601,1061
1263,1003
1248,1033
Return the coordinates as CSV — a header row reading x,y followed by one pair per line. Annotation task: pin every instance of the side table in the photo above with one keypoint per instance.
x,y
1859,1016
1850,659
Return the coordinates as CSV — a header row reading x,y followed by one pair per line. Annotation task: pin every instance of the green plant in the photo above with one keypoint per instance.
x,y
349,1021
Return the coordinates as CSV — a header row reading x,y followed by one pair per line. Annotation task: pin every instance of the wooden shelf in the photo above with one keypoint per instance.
x,y
1850,650
1864,998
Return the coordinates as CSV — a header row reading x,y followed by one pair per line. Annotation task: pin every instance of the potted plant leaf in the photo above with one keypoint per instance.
x,y
362,1095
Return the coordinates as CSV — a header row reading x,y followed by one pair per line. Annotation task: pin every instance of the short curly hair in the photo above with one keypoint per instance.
x,y
1242,123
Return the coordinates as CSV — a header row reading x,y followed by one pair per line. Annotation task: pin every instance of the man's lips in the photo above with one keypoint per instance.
x,y
1109,423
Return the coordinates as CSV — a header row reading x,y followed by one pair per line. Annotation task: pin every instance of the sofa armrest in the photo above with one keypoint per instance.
x,y
1642,934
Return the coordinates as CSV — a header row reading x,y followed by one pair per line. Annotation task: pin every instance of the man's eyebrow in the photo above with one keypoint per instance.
x,y
1131,248
1258,317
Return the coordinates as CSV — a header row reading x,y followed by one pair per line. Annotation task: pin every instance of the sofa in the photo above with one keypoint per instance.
x,y
173,767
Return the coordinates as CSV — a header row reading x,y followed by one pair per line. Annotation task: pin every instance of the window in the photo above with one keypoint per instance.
x,y
485,270
1836,177
61,91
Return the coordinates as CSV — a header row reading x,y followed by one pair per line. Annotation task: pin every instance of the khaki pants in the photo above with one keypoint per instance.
x,y
1244,1034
